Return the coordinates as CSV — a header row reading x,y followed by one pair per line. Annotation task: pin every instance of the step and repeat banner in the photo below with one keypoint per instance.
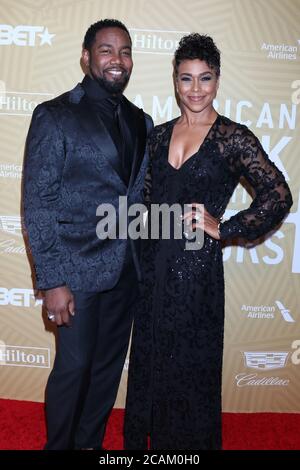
x,y
40,48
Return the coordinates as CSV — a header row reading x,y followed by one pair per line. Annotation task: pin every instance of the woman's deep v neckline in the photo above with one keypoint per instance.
x,y
194,154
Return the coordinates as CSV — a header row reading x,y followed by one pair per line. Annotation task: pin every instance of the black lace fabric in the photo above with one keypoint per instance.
x,y
174,383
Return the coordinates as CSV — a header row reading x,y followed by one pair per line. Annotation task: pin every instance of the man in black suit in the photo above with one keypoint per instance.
x,y
86,148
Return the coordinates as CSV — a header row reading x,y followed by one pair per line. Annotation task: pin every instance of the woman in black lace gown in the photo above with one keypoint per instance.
x,y
174,384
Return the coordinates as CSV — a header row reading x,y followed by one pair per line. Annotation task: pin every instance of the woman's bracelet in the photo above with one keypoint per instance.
x,y
219,226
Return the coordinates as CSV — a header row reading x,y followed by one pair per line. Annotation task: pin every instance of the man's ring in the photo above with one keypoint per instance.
x,y
51,316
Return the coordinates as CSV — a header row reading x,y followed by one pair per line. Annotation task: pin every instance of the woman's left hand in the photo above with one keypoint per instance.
x,y
198,217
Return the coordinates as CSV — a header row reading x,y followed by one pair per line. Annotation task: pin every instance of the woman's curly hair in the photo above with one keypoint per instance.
x,y
198,46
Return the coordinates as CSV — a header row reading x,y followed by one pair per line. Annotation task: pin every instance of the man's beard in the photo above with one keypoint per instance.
x,y
117,86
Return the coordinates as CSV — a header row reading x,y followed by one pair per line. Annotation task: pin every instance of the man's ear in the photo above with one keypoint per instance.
x,y
85,56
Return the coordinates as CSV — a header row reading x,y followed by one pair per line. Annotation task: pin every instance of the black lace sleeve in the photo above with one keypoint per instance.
x,y
272,199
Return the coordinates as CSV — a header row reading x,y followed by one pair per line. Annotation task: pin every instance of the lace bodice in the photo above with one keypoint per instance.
x,y
229,151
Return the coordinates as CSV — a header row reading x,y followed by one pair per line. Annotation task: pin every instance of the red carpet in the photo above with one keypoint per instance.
x,y
23,428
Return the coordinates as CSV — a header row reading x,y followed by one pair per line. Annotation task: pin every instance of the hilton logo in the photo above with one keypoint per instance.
x,y
26,356
155,41
19,103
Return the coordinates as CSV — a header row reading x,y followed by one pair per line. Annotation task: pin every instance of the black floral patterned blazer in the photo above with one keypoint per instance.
x,y
69,170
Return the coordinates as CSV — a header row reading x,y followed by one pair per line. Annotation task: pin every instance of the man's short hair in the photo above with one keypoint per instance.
x,y
90,35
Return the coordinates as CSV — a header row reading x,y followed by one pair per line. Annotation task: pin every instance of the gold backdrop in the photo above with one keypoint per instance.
x,y
40,46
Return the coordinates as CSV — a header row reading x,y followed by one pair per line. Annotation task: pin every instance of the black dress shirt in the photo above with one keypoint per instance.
x,y
112,110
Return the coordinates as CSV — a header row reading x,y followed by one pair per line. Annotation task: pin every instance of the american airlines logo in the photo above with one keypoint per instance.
x,y
11,224
280,51
155,41
25,35
10,170
265,360
26,356
268,311
286,314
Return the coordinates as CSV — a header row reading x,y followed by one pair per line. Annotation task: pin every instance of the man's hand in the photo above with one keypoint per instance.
x,y
60,303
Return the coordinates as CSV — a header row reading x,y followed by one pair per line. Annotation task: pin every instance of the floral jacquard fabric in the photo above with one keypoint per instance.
x,y
174,384
69,171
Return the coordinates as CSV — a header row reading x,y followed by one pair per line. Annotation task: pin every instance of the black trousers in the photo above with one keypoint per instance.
x,y
83,384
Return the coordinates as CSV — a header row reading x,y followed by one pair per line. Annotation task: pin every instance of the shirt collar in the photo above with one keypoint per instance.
x,y
95,91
